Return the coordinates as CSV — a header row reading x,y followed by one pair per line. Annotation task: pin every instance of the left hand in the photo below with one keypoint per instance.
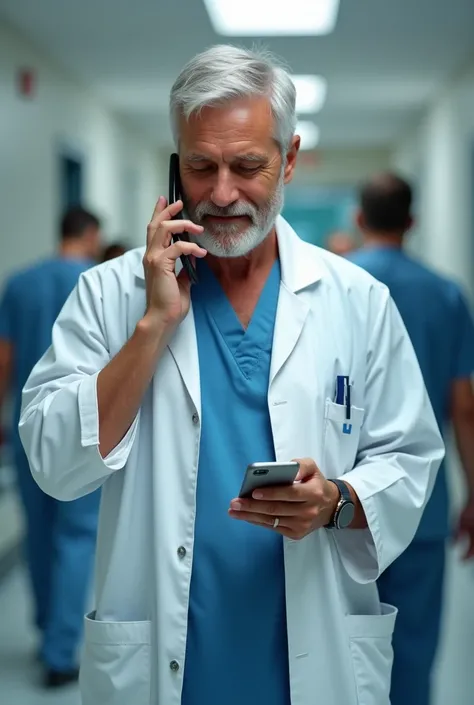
x,y
466,528
303,507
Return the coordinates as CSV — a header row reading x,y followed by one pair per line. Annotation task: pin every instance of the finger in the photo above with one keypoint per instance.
x,y
297,492
159,207
272,509
181,226
307,468
161,213
162,236
259,519
287,531
182,247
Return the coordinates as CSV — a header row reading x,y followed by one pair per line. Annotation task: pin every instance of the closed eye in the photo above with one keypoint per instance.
x,y
249,169
203,168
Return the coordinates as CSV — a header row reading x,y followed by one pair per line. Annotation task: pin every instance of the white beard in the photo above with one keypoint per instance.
x,y
229,240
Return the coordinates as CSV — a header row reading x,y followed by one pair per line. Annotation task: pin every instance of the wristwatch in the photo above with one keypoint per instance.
x,y
345,510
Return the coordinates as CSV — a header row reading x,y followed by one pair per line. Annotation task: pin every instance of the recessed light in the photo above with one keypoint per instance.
x,y
309,133
311,93
250,18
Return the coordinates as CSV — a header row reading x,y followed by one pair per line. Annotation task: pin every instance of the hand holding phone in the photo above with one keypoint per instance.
x,y
167,295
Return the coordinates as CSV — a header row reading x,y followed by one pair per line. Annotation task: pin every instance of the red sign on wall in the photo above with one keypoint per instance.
x,y
26,82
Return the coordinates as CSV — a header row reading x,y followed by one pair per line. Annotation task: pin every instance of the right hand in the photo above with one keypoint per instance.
x,y
168,296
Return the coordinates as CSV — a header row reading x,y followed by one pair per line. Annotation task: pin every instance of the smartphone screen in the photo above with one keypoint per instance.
x,y
175,194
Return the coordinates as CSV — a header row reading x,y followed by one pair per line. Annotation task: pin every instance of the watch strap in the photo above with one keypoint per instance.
x,y
345,497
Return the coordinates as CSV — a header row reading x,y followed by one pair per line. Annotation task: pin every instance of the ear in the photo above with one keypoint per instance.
x,y
291,159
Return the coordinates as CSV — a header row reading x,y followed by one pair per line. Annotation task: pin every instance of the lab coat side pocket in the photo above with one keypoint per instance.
x,y
115,666
341,438
370,639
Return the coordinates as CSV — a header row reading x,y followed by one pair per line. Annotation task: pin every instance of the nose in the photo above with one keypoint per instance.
x,y
224,191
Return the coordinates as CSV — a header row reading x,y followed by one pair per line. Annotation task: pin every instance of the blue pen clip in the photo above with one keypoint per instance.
x,y
343,394
340,390
348,399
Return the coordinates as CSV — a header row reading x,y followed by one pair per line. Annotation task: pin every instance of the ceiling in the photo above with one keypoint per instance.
x,y
384,62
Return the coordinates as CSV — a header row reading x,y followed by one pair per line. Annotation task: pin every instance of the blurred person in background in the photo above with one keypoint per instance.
x,y
115,249
340,243
439,323
60,537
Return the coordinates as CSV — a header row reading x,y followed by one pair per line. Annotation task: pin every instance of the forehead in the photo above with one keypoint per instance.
x,y
244,124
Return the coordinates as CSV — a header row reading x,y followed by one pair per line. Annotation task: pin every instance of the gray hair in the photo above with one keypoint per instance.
x,y
224,73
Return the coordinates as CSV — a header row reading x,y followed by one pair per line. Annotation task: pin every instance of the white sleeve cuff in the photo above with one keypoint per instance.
x,y
362,551
359,549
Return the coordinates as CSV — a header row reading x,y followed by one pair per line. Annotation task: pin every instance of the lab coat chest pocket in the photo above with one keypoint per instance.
x,y
340,439
115,665
370,639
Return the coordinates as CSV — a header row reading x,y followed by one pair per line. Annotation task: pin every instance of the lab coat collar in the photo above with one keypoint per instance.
x,y
301,264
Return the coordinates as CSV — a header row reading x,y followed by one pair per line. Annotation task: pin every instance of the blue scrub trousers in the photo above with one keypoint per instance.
x,y
60,547
414,583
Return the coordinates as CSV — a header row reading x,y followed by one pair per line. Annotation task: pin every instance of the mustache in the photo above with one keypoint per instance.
x,y
205,208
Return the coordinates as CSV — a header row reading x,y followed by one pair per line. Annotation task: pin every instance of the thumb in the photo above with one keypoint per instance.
x,y
307,469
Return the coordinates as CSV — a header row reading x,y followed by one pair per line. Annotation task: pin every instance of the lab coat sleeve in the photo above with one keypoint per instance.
x,y
59,423
400,449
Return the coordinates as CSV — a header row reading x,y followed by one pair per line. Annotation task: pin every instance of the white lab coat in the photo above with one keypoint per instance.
x,y
332,319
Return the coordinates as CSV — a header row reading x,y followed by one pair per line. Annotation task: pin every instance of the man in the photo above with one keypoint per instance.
x,y
163,396
437,318
115,249
340,243
60,537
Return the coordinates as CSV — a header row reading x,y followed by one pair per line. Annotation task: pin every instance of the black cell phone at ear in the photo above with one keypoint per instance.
x,y
175,194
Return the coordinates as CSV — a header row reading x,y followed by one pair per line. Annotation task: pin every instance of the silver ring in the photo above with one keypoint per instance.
x,y
276,522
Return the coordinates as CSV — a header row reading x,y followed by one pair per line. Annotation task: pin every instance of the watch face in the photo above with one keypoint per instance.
x,y
346,515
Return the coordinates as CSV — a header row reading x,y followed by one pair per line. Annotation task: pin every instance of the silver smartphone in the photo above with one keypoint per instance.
x,y
268,475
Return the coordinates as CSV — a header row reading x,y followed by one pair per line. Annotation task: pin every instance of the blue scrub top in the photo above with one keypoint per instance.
x,y
237,646
31,302
440,326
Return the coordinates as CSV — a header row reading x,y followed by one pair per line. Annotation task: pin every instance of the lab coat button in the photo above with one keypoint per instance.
x,y
181,552
195,419
174,665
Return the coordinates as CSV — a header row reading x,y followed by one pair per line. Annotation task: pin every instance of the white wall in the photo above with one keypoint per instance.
x,y
340,167
439,154
122,177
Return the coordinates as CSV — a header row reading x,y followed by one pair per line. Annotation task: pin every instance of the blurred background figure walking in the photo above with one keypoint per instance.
x,y
113,250
440,326
60,536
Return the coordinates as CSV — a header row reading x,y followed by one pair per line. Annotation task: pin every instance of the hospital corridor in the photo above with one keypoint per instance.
x,y
237,352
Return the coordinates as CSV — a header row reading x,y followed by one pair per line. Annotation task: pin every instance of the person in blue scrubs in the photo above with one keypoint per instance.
x,y
440,326
60,536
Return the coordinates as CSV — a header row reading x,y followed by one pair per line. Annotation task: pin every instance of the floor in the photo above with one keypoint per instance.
x,y
20,675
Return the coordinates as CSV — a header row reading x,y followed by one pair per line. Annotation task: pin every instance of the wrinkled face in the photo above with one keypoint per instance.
x,y
233,175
